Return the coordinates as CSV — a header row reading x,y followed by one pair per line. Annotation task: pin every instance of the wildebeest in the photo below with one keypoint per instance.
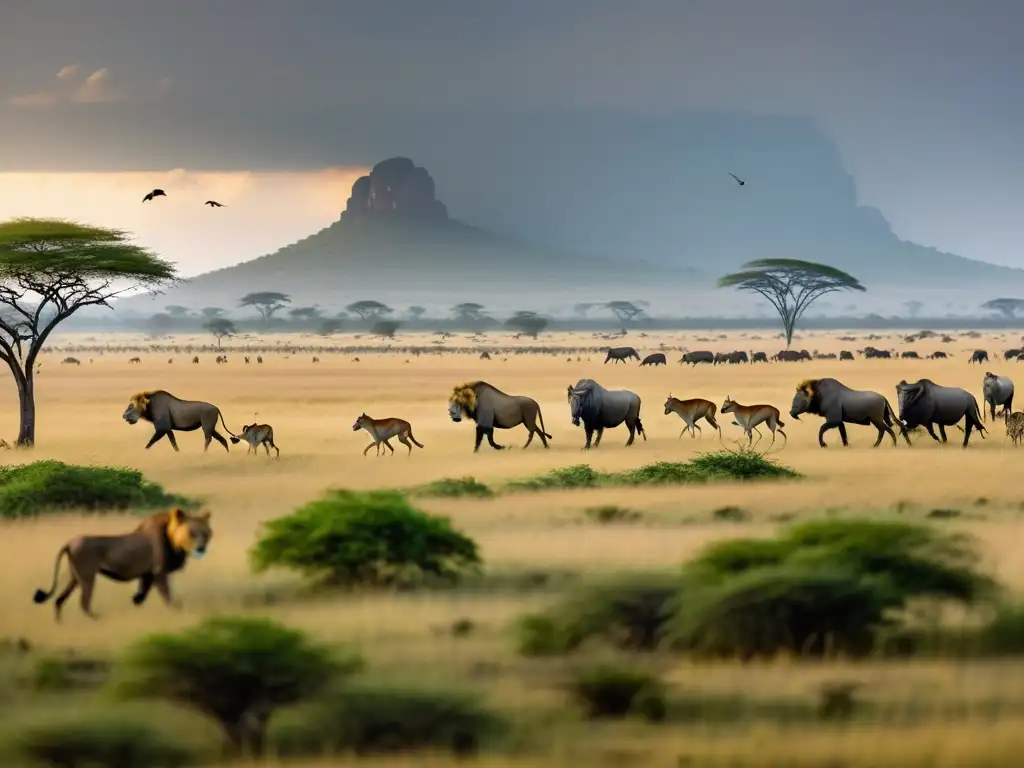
x,y
169,414
997,390
925,403
71,361
792,355
737,357
655,358
700,356
493,409
846,355
1012,354
621,354
759,357
750,416
691,411
870,353
978,356
599,409
938,355
840,405
910,355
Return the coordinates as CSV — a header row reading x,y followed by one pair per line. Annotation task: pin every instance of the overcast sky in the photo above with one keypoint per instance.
x,y
924,97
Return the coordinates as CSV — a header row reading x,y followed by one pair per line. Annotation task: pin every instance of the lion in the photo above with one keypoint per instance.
x,y
169,414
492,409
158,547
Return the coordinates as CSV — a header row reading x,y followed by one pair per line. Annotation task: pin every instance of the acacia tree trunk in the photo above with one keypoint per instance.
x,y
27,408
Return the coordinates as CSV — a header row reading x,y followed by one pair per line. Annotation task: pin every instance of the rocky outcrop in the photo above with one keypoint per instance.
x,y
395,188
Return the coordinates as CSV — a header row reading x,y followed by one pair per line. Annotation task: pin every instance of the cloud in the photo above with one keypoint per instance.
x,y
97,88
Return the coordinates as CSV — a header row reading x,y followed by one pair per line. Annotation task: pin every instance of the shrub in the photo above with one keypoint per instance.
x,y
744,464
237,671
102,742
28,490
610,513
370,538
659,473
576,476
370,718
630,612
799,611
614,691
454,488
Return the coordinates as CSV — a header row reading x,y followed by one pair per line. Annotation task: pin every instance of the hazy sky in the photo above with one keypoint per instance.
x,y
923,97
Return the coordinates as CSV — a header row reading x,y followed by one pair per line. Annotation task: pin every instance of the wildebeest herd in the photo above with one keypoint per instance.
x,y
921,404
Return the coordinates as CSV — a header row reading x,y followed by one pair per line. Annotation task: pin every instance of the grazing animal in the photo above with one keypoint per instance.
x,y
840,405
158,547
721,358
493,409
870,353
382,430
997,390
169,414
155,193
316,359
691,411
485,355
978,356
71,361
759,357
1015,427
737,357
1012,354
925,403
259,359
938,355
846,355
750,416
621,354
655,358
910,355
599,409
792,356
256,435
135,360
700,356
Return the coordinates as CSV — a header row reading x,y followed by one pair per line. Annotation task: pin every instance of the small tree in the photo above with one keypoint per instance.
x,y
385,328
369,309
790,285
526,322
236,671
176,310
49,269
265,302
913,307
160,323
220,327
469,312
211,312
1008,308
304,314
330,326
624,310
415,312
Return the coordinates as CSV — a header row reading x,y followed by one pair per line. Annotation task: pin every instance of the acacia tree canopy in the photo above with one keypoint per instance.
x,y
790,285
51,268
1006,307
265,302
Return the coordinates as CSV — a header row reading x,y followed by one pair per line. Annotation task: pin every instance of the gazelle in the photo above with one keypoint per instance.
x,y
692,411
750,416
382,430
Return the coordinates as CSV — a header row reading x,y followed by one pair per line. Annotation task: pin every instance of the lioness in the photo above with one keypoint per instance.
x,y
157,548
382,430
256,435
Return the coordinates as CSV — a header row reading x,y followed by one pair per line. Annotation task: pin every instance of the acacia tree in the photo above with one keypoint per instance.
x,y
369,309
50,269
415,312
624,310
527,322
265,302
790,285
1008,308
220,327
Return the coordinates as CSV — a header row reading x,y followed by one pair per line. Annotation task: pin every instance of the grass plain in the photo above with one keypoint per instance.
x,y
939,713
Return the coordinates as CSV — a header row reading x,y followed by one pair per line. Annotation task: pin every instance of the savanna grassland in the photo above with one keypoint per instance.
x,y
926,712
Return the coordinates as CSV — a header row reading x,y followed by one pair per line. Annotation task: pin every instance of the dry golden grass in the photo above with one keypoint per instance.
x,y
312,408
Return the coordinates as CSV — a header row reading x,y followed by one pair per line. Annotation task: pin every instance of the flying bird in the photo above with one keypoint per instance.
x,y
213,204
154,193
739,181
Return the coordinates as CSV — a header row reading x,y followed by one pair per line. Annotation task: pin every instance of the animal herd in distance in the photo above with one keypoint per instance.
x,y
921,404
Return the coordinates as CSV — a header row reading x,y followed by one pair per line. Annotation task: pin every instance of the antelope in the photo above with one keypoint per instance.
x,y
750,416
691,411
382,430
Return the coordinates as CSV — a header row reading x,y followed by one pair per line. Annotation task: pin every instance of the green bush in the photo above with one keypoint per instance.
x,y
100,743
615,691
368,718
237,671
28,490
744,464
454,488
367,538
576,476
630,612
798,611
611,513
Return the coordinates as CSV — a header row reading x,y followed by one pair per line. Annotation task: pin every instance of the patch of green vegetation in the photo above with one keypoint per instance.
x,y
453,488
611,513
29,490
563,478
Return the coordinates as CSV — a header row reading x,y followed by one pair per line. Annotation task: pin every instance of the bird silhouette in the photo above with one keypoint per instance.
x,y
154,193
739,181
213,204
